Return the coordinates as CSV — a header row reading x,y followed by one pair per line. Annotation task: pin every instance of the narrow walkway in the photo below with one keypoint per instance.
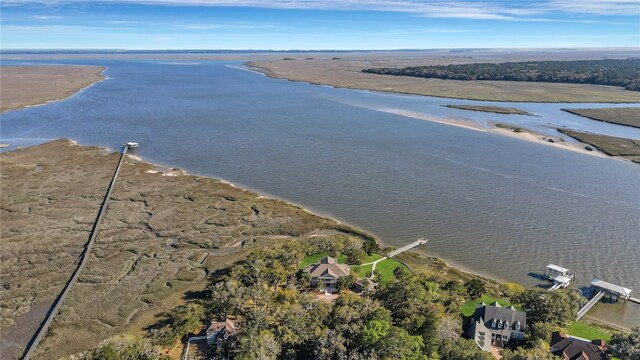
x,y
44,328
594,300
185,353
395,252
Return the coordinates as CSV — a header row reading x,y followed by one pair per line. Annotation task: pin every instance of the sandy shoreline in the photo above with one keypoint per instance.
x,y
526,134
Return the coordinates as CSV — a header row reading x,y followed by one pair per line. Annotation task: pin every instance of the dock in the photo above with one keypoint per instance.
x,y
395,252
561,277
44,327
605,291
590,304
407,247
612,291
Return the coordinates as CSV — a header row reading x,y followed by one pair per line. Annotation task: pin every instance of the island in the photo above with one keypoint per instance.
x,y
491,109
33,85
627,116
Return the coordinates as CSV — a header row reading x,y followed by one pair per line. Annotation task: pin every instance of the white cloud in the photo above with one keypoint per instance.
x,y
47,17
122,22
425,31
465,9
224,26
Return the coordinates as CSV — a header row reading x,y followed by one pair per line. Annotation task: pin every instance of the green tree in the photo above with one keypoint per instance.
x,y
540,332
260,346
400,272
398,344
183,319
346,282
373,331
540,352
187,318
292,325
555,307
412,302
462,349
125,348
626,346
370,246
226,297
356,256
475,288
510,290
164,336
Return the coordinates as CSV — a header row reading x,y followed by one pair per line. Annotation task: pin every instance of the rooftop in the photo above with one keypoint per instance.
x,y
611,287
557,268
576,349
328,266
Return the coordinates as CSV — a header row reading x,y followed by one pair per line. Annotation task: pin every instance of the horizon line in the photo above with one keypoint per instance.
x,y
316,50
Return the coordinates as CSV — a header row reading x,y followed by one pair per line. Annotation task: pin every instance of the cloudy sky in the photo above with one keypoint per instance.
x,y
321,24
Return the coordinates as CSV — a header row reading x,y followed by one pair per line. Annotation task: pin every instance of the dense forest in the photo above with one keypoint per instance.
x,y
624,73
411,317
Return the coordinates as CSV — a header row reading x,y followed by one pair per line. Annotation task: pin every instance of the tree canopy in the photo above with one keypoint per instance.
x,y
614,72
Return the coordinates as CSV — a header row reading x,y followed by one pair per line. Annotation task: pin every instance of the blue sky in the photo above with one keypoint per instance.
x,y
321,24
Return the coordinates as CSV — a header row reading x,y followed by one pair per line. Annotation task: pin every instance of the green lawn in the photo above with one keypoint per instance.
x,y
470,306
385,267
314,259
585,331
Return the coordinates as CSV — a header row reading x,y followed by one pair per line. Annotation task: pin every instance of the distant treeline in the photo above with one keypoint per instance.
x,y
614,72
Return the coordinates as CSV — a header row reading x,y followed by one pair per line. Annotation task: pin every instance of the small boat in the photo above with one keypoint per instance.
x,y
131,145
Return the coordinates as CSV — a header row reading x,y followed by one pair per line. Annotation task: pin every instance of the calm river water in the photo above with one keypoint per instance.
x,y
490,203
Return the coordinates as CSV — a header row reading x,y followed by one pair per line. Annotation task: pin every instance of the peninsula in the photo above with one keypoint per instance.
x,y
346,71
164,234
34,85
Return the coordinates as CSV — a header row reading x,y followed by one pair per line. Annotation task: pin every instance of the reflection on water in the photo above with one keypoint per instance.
x,y
493,204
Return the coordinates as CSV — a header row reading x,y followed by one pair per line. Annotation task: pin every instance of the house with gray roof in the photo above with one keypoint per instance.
x,y
327,273
494,325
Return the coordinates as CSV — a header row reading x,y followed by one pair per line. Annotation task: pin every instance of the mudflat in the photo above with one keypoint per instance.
x,y
163,234
610,145
347,73
33,85
627,116
491,109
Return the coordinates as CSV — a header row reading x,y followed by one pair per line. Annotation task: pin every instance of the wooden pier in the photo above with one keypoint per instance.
x,y
410,246
44,327
395,252
590,304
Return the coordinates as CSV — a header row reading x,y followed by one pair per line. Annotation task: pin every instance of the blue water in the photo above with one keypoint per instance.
x,y
491,203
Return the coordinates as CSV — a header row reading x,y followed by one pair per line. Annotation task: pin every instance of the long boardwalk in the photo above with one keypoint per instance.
x,y
44,327
393,253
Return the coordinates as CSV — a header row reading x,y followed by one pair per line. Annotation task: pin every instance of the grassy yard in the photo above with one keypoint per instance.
x,y
585,331
385,267
470,306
